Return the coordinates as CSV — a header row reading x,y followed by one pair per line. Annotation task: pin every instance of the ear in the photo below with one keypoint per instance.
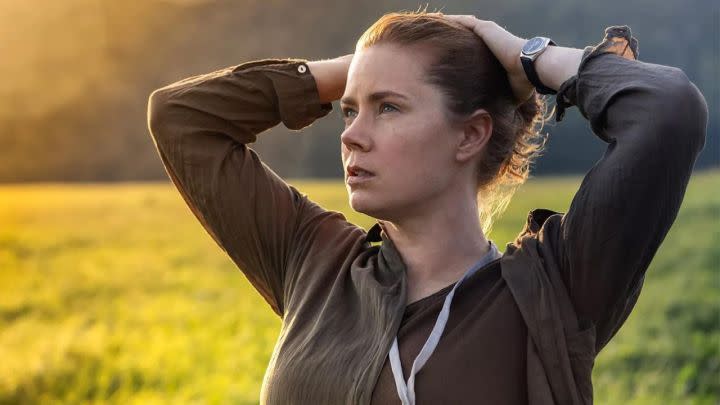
x,y
476,131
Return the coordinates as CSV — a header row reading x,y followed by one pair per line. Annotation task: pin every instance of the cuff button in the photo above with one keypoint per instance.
x,y
302,69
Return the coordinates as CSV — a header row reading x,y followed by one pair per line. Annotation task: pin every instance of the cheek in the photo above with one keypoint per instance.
x,y
423,157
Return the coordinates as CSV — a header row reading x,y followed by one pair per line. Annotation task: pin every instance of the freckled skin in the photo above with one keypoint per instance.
x,y
409,145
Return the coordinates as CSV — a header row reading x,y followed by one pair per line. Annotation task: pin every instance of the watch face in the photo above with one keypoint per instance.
x,y
533,45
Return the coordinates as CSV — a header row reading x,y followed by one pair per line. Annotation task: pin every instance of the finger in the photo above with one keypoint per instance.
x,y
467,21
470,22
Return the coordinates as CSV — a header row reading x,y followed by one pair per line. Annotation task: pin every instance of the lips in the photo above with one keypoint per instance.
x,y
357,175
359,171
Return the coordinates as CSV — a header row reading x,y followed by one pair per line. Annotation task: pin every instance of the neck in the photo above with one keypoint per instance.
x,y
438,245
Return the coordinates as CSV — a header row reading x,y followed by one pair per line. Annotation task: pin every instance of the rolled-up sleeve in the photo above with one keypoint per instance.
x,y
200,127
654,120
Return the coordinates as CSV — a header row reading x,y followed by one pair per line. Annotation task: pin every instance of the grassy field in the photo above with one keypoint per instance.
x,y
115,294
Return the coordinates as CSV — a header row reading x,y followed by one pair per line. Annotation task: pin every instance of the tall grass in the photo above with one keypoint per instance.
x,y
115,294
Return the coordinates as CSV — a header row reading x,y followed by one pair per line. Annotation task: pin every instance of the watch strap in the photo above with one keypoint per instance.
x,y
528,64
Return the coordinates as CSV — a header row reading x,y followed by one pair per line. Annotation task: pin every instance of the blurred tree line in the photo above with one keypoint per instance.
x,y
77,73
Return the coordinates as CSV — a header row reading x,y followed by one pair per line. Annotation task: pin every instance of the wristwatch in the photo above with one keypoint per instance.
x,y
530,51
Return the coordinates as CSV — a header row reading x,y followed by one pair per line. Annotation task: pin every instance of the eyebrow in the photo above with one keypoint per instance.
x,y
378,95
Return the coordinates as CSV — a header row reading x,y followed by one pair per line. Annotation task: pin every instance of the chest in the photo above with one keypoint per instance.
x,y
481,356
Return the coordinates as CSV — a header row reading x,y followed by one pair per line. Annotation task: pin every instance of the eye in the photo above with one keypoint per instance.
x,y
383,107
346,112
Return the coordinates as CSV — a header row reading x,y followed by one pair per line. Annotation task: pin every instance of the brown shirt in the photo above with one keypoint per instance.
x,y
342,298
481,354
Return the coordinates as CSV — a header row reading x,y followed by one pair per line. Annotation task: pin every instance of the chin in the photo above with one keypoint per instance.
x,y
364,203
357,201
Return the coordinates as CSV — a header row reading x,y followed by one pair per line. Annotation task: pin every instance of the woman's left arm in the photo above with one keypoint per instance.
x,y
654,120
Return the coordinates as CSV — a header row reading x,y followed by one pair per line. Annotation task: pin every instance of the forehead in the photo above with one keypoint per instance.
x,y
386,67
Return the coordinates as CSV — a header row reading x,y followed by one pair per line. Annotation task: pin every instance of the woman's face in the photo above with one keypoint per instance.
x,y
395,127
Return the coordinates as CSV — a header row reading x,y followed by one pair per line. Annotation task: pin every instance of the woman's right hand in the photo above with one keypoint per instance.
x,y
331,76
506,48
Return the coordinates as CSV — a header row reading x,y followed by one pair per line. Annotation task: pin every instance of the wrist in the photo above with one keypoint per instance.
x,y
557,64
330,76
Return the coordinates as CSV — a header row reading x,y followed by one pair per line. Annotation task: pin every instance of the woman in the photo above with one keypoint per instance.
x,y
440,121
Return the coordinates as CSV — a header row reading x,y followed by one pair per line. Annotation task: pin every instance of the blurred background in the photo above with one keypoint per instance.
x,y
78,72
111,292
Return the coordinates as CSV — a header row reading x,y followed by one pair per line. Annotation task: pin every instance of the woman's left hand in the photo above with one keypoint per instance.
x,y
506,48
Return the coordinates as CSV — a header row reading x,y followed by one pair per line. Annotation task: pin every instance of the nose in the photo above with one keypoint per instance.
x,y
356,136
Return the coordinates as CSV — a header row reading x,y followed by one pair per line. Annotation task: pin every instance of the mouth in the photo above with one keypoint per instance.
x,y
358,175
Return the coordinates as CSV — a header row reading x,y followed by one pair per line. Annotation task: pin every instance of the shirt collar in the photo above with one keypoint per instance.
x,y
374,234
535,219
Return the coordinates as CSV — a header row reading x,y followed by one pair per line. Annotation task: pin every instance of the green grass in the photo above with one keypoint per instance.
x,y
115,294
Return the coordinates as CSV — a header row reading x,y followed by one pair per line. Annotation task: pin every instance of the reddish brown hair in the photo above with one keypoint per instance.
x,y
471,77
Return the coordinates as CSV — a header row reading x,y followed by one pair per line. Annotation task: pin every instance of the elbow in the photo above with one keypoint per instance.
x,y
697,108
157,116
682,111
689,108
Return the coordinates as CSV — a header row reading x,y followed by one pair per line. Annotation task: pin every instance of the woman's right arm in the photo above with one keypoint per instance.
x,y
331,76
200,127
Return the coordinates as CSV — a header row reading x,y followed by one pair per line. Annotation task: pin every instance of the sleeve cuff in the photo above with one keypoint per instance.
x,y
618,40
297,94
